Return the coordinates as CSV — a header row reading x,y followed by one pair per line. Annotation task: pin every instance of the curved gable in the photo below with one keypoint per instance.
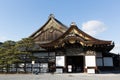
x,y
50,31
75,35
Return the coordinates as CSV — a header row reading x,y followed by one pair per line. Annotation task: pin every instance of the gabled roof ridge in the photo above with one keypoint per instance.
x,y
51,17
40,27
85,34
60,23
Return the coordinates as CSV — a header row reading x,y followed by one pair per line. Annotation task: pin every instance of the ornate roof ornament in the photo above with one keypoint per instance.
x,y
73,24
51,16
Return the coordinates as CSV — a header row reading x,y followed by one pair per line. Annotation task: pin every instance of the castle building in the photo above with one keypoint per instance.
x,y
66,49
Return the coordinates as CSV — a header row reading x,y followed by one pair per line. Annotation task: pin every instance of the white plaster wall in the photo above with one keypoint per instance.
x,y
60,61
90,61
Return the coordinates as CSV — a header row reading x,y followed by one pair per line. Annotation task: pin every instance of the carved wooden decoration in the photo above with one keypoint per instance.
x,y
90,52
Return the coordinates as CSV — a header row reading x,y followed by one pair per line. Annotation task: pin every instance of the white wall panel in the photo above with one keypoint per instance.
x,y
90,61
90,70
60,61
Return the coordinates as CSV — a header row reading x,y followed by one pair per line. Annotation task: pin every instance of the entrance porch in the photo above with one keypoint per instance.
x,y
75,64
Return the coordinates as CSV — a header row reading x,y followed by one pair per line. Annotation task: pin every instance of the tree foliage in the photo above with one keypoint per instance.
x,y
7,56
25,45
11,52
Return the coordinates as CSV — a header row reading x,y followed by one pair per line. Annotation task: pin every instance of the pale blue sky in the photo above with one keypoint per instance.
x,y
20,18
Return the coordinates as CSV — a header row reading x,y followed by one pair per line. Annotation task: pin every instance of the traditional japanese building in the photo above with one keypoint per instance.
x,y
69,49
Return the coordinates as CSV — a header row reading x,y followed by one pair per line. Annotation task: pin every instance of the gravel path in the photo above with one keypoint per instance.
x,y
79,76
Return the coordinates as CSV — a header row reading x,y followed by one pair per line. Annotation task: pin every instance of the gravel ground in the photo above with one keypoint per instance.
x,y
46,76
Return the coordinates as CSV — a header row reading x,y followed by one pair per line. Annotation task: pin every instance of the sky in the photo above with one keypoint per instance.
x,y
99,18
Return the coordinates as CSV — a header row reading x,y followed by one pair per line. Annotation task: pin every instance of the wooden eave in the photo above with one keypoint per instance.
x,y
63,38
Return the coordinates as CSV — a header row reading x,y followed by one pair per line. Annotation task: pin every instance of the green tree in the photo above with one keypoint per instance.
x,y
7,55
15,52
2,51
23,49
